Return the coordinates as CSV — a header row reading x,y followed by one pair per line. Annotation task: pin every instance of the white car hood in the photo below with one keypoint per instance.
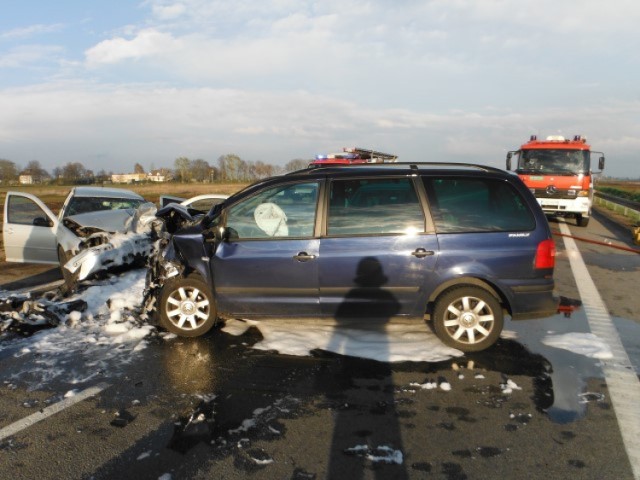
x,y
117,221
131,238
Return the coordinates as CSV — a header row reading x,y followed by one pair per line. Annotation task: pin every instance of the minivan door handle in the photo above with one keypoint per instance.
x,y
421,253
303,257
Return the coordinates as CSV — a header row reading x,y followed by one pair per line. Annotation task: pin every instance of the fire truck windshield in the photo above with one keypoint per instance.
x,y
556,162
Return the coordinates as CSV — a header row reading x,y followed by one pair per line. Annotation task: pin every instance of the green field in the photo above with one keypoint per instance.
x,y
628,190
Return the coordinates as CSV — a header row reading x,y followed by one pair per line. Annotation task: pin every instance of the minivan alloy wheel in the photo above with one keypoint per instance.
x,y
468,318
187,307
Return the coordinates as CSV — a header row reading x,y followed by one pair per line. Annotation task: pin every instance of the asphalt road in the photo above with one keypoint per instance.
x,y
213,407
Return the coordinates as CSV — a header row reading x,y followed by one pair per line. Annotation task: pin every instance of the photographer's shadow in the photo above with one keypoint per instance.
x,y
366,430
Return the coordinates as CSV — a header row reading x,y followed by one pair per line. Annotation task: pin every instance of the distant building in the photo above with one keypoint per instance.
x,y
25,179
157,176
128,177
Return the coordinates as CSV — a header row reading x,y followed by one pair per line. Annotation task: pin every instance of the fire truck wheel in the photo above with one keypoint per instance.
x,y
582,221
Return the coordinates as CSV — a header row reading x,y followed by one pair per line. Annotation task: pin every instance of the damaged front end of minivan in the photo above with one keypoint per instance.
x,y
179,253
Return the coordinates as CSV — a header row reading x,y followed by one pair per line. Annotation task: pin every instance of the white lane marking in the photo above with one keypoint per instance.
x,y
51,410
622,380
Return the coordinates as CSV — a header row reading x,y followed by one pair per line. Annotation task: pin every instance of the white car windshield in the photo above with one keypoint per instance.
x,y
79,205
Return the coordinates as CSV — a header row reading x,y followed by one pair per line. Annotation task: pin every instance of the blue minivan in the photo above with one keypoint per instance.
x,y
459,245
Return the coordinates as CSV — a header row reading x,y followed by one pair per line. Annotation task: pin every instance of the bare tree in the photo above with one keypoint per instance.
x,y
259,170
297,164
73,172
182,167
137,168
232,168
8,171
200,170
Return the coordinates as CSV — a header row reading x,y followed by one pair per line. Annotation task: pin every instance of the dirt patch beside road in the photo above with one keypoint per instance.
x,y
16,276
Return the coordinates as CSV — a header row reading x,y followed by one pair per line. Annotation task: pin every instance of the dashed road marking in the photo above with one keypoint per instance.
x,y
50,410
622,380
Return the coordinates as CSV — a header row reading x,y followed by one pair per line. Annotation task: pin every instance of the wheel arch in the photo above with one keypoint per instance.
x,y
468,281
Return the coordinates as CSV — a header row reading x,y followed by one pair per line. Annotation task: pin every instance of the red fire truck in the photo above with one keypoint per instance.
x,y
558,172
351,155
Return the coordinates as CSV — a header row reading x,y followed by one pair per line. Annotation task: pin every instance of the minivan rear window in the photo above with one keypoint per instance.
x,y
460,204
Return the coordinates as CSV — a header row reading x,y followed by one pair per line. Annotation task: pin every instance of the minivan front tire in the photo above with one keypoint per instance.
x,y
468,318
187,307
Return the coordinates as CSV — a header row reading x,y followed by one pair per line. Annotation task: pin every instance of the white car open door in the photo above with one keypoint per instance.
x,y
29,230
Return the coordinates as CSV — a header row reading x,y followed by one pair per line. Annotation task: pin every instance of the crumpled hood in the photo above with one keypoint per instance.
x,y
116,221
109,238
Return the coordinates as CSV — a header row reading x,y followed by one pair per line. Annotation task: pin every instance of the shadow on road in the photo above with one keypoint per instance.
x,y
374,437
22,276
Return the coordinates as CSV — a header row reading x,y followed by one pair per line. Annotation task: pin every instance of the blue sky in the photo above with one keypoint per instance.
x,y
111,84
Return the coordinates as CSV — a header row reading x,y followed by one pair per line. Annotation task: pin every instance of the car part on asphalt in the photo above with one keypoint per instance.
x,y
24,315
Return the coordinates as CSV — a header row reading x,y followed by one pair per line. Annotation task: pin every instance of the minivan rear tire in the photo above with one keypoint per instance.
x,y
468,318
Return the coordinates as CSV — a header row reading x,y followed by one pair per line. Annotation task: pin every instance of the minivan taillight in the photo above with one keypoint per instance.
x,y
546,254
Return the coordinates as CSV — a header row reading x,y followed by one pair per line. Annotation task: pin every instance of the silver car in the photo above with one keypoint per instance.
x,y
81,236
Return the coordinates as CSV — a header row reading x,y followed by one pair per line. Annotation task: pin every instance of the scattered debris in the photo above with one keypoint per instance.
x,y
382,453
123,418
588,397
509,386
24,315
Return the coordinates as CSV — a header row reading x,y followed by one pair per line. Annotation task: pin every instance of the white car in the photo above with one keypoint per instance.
x,y
92,223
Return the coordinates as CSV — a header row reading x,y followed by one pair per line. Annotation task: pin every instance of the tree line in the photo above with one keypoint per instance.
x,y
229,168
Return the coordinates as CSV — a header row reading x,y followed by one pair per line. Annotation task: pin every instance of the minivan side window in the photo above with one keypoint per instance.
x,y
282,211
460,204
374,206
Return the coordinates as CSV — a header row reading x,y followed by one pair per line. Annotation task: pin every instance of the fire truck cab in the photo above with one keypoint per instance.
x,y
558,172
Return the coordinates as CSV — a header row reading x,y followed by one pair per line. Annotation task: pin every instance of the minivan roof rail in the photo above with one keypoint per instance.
x,y
414,165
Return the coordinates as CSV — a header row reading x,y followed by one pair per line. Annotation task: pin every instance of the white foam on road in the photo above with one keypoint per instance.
x,y
622,381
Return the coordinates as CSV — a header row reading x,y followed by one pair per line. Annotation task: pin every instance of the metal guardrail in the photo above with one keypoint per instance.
x,y
622,206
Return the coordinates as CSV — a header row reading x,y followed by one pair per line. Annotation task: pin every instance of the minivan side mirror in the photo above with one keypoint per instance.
x,y
221,234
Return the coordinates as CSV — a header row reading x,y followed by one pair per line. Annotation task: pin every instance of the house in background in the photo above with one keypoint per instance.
x,y
128,177
157,176
25,179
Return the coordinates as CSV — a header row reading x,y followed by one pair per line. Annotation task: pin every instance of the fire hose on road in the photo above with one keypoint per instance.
x,y
597,242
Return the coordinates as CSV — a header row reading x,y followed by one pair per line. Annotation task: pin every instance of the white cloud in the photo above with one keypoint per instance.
x,y
31,30
122,125
28,55
148,42
168,12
